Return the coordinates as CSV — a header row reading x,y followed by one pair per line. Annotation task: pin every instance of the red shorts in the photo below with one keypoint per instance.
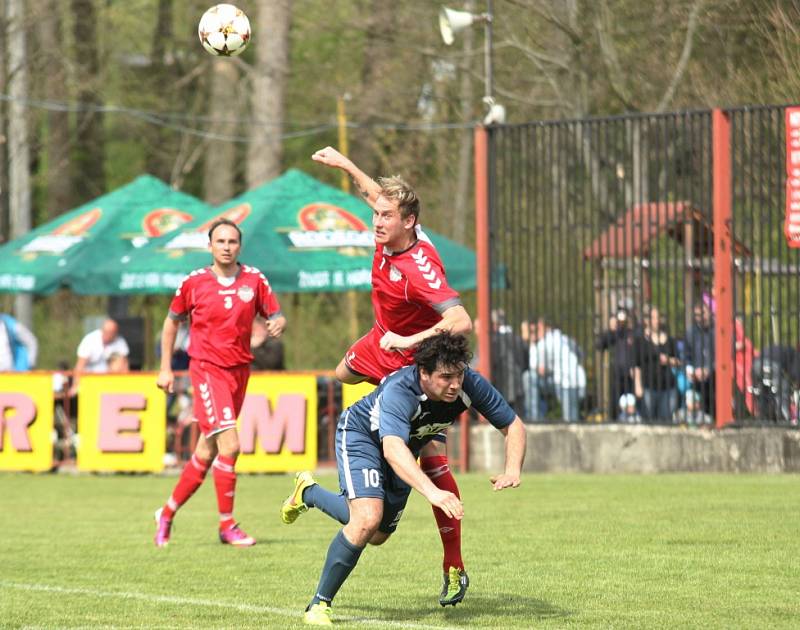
x,y
366,357
218,395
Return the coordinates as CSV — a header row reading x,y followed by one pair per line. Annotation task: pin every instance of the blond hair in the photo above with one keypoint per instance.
x,y
397,189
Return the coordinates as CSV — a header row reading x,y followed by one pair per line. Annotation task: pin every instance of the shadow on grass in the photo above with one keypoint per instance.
x,y
487,611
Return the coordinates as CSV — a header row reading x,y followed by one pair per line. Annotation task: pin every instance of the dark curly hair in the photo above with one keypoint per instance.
x,y
442,350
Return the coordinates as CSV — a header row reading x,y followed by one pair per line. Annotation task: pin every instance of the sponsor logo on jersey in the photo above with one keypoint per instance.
x,y
394,274
429,429
246,293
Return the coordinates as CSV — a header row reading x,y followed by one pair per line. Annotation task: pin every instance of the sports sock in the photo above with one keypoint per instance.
x,y
334,505
341,559
225,484
190,480
438,472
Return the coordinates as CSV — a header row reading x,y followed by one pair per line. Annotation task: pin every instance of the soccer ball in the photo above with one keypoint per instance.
x,y
224,30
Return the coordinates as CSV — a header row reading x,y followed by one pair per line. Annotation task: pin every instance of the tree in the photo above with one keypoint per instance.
x,y
88,156
267,103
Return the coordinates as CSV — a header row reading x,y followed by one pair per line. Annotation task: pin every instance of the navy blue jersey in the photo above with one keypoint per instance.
x,y
399,407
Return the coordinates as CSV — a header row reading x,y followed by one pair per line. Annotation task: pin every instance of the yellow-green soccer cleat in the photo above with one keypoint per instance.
x,y
293,506
318,615
454,588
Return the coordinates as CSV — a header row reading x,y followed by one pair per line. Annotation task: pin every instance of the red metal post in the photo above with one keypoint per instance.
x,y
482,249
723,266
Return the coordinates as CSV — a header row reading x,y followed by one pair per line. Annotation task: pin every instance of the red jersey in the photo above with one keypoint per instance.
x,y
221,315
409,288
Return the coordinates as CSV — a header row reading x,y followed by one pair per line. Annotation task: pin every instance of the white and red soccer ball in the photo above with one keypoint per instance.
x,y
224,30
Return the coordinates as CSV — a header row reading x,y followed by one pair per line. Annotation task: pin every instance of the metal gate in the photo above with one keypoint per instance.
x,y
602,232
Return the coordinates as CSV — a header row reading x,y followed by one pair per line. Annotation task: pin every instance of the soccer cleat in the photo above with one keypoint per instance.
x,y
293,506
318,615
236,537
163,529
454,588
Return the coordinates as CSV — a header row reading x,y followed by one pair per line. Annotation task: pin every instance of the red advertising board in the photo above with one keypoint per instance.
x,y
791,226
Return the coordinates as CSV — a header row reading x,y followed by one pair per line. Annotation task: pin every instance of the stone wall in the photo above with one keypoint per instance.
x,y
638,449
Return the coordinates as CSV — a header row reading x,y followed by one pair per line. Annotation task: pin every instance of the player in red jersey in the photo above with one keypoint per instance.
x,y
412,301
221,302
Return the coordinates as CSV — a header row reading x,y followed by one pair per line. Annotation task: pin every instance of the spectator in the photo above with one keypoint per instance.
x,y
18,346
96,348
700,355
267,351
554,364
654,380
619,338
776,373
117,363
628,414
692,414
509,358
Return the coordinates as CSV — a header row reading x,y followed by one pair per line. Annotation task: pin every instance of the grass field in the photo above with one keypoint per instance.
x,y
559,552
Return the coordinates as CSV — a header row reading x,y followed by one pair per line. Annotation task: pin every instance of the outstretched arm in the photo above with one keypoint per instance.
x,y
169,332
405,465
367,187
454,320
516,441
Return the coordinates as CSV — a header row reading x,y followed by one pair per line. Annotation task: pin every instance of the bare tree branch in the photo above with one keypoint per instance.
x,y
686,54
610,57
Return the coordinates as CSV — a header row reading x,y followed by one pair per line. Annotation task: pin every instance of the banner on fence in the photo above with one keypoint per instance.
x,y
26,422
278,424
122,423
791,226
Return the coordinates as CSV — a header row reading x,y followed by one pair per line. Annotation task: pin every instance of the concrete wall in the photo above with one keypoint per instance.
x,y
638,449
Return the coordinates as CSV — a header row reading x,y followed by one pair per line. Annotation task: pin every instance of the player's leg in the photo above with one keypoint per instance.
x,y
345,375
223,398
225,485
195,470
308,494
433,461
364,361
360,466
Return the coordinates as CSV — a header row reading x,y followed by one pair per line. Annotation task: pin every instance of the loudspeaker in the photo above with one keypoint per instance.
x,y
451,22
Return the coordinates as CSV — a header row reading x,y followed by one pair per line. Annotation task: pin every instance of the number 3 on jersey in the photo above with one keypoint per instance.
x,y
371,478
228,302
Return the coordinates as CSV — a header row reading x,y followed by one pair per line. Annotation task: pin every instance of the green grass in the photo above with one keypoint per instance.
x,y
561,551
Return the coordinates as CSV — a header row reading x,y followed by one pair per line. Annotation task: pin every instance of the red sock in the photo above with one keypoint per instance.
x,y
439,473
191,479
225,483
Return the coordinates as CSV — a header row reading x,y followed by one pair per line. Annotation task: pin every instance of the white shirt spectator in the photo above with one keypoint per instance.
x,y
96,353
555,352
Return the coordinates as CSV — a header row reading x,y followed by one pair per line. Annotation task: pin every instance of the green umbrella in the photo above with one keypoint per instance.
x,y
109,227
304,235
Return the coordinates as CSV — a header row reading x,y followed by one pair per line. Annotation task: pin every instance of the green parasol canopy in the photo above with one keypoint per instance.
x,y
108,228
304,235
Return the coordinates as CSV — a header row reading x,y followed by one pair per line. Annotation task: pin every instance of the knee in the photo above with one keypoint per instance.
x,y
363,525
231,452
378,538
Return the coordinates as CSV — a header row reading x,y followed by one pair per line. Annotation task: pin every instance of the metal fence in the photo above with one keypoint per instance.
x,y
602,246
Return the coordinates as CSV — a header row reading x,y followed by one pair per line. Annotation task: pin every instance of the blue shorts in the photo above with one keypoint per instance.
x,y
364,473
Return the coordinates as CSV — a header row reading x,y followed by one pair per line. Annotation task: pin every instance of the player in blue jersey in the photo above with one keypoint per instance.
x,y
377,442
